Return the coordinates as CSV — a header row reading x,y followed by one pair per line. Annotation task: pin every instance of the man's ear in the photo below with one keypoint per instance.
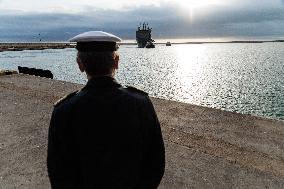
x,y
81,65
116,60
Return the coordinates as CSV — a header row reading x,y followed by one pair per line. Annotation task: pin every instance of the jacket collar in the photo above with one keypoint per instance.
x,y
102,82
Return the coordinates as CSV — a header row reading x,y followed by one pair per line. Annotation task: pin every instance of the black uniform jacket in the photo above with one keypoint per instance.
x,y
105,136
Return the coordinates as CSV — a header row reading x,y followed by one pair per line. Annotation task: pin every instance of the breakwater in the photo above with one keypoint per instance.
x,y
34,46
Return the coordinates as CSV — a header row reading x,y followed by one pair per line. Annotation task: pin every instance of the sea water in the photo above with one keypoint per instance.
x,y
246,78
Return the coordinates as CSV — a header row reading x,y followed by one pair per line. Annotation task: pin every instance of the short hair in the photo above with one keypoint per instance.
x,y
97,63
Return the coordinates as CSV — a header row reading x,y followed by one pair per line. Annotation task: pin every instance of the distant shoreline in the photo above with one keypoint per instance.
x,y
20,46
212,42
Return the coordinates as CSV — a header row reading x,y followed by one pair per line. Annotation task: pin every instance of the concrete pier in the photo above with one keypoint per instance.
x,y
205,148
34,46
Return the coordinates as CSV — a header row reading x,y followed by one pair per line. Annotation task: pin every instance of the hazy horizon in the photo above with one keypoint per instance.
x,y
162,40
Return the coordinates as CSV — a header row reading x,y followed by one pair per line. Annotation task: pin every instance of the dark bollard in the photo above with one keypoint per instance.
x,y
32,71
49,74
36,72
25,70
40,72
20,69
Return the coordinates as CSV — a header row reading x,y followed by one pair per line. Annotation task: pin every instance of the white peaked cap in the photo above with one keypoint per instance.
x,y
93,36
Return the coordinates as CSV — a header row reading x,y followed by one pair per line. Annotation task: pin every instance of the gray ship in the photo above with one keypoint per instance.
x,y
143,36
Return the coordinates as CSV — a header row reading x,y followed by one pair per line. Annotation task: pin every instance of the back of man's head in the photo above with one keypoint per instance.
x,y
97,52
98,63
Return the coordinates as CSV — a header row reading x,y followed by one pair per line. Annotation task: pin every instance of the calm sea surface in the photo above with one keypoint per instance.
x,y
245,78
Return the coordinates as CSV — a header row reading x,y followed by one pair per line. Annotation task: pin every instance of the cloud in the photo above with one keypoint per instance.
x,y
167,20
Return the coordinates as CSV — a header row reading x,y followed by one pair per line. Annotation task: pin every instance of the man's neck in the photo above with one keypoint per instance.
x,y
89,77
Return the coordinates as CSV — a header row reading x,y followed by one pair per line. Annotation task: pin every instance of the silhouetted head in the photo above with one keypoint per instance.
x,y
97,54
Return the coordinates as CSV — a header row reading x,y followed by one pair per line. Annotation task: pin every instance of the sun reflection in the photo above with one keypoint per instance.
x,y
191,60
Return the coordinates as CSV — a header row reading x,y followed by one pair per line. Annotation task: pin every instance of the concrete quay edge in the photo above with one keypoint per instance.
x,y
205,148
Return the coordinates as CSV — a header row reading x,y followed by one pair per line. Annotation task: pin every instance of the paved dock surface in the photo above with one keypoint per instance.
x,y
205,148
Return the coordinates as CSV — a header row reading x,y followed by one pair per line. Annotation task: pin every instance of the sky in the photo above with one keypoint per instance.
x,y
58,20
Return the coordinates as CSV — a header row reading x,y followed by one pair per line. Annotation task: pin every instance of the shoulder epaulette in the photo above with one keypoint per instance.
x,y
133,89
65,98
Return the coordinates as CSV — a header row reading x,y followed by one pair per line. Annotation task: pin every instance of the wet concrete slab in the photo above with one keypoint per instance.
x,y
205,148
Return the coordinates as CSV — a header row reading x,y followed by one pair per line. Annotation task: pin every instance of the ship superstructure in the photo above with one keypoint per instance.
x,y
143,36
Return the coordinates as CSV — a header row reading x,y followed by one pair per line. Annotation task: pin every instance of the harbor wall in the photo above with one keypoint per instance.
x,y
34,46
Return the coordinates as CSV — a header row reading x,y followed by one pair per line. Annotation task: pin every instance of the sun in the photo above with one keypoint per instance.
x,y
191,4
191,7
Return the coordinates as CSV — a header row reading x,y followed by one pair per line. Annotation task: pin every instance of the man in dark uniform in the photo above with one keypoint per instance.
x,y
104,136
